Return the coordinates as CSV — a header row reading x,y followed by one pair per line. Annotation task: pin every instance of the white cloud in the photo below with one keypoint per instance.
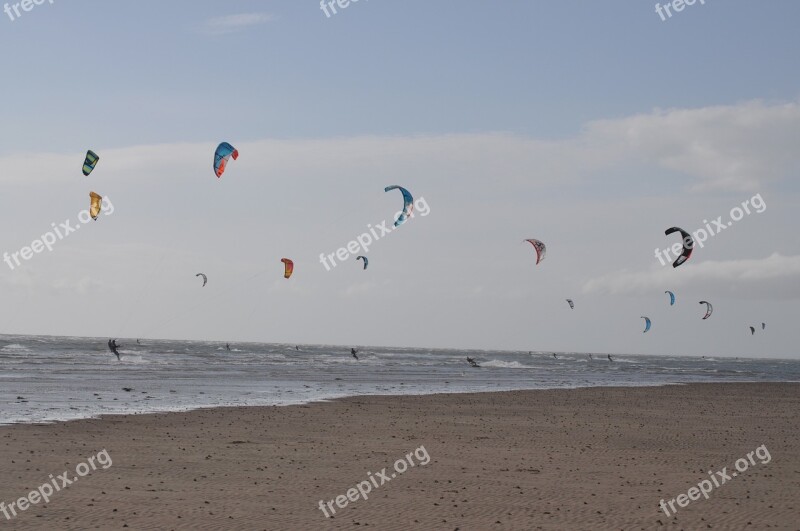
x,y
733,148
357,289
776,276
233,23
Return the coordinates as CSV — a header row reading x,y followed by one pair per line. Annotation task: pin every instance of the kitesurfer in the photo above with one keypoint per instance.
x,y
353,352
112,346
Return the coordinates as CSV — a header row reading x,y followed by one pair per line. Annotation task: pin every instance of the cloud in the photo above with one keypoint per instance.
x,y
357,289
776,276
233,23
731,148
83,286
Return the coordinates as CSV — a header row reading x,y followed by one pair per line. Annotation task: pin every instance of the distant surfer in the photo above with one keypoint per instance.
x,y
554,355
112,346
590,357
610,358
472,362
228,346
354,352
296,347
138,342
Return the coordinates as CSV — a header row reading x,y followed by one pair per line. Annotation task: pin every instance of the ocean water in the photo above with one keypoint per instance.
x,y
46,379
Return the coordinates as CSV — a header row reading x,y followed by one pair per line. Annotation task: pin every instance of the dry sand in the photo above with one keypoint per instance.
x,y
558,459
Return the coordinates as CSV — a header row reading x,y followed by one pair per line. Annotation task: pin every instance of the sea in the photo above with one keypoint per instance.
x,y
47,379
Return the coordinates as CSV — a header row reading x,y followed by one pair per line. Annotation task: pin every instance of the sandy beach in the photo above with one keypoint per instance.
x,y
600,458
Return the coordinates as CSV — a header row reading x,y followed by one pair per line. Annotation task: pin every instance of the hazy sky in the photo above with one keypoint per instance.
x,y
592,126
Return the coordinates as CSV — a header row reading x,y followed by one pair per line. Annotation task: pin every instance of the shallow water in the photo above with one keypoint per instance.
x,y
45,379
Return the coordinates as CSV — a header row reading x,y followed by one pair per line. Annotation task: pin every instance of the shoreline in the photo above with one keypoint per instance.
x,y
367,395
599,458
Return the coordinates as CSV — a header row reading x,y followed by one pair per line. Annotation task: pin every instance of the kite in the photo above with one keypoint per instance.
x,y
752,331
671,298
647,324
221,156
763,326
365,259
571,304
205,278
688,245
288,267
408,204
540,249
94,209
709,309
90,162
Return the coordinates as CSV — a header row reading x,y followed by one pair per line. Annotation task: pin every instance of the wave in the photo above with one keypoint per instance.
x,y
132,358
505,364
15,347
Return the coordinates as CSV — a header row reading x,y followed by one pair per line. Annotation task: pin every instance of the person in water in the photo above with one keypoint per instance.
x,y
554,355
112,346
590,356
353,352
610,358
472,362
228,346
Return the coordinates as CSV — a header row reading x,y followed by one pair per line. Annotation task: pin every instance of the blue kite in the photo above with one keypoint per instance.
x,y
408,204
221,156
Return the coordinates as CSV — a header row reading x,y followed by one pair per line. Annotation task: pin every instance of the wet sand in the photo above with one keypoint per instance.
x,y
598,458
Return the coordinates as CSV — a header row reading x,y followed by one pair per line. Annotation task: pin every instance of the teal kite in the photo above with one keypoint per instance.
x,y
408,204
90,162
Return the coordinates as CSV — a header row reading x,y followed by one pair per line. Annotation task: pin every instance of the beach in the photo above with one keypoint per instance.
x,y
591,458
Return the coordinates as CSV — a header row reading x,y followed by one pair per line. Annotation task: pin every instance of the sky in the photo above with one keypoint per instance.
x,y
592,127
